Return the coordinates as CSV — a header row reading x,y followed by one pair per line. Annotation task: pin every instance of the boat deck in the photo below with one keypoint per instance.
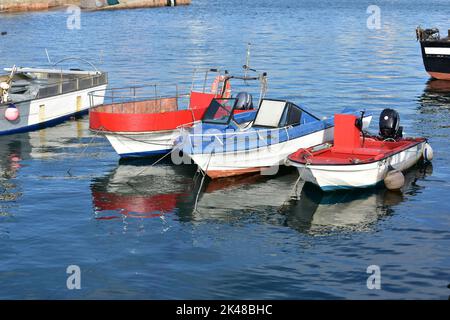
x,y
371,150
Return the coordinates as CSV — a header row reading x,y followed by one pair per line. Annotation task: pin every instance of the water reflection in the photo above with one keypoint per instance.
x,y
434,106
139,190
435,95
319,212
13,150
238,198
131,191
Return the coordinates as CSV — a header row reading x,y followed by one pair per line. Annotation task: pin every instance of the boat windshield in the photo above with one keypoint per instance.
x,y
219,111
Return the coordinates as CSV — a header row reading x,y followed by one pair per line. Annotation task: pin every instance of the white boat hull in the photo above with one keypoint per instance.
x,y
141,144
40,113
265,159
335,177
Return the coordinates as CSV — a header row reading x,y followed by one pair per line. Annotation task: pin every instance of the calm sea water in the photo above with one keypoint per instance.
x,y
133,230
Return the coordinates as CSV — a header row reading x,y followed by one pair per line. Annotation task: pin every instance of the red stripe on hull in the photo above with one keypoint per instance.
x,y
121,122
148,115
440,75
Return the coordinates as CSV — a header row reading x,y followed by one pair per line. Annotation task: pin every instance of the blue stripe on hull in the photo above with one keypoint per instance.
x,y
45,124
145,154
337,188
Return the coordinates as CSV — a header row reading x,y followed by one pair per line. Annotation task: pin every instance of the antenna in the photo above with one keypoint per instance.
x,y
48,57
101,56
247,59
247,62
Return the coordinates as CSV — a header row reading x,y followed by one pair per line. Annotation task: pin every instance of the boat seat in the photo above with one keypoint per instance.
x,y
346,134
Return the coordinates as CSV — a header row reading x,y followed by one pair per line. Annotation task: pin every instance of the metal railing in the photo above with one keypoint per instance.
x,y
155,95
71,85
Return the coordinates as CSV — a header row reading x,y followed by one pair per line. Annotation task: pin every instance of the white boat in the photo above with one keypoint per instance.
x,y
221,147
33,98
353,160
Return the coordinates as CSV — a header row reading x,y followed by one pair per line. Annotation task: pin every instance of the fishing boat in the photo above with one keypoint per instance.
x,y
354,160
143,121
435,52
222,146
35,98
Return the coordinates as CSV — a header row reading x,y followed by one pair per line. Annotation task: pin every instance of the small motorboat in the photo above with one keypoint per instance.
x,y
224,145
356,160
35,98
144,120
435,52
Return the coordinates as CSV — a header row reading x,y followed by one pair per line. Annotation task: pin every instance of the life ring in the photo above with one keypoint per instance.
x,y
215,86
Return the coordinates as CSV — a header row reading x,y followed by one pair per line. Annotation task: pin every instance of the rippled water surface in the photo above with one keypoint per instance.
x,y
133,229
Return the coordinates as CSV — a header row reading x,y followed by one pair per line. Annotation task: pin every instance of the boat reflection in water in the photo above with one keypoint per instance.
x,y
137,190
435,94
13,150
126,192
57,142
322,212
433,106
264,199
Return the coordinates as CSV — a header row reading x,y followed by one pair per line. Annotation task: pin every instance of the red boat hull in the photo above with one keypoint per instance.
x,y
440,75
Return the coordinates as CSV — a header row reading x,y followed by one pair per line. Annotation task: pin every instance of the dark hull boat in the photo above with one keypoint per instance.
x,y
435,52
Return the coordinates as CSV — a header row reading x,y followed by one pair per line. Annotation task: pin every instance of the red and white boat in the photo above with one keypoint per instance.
x,y
354,160
145,120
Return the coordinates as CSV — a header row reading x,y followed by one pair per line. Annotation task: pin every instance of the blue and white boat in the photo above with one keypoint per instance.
x,y
226,144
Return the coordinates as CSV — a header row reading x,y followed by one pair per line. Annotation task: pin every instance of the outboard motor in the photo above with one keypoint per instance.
x,y
390,125
244,101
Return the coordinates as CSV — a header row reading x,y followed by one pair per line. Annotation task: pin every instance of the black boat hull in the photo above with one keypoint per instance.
x,y
436,58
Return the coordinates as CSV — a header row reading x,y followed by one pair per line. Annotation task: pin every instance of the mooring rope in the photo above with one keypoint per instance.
x,y
201,182
86,147
294,191
153,164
